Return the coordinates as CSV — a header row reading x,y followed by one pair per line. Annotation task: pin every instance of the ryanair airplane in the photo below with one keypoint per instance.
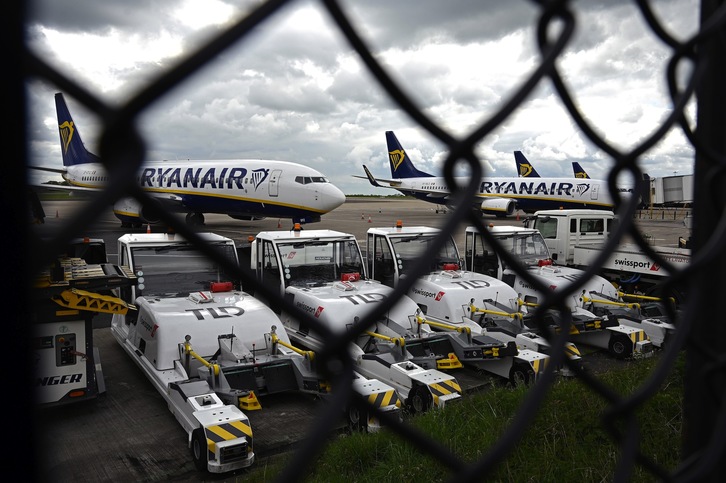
x,y
244,189
496,196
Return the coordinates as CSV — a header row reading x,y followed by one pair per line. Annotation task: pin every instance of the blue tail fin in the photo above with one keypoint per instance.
x,y
524,167
578,170
401,165
73,149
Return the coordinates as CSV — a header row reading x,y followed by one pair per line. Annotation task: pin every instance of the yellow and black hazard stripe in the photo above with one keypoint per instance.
x,y
444,388
383,399
571,351
539,365
224,432
638,336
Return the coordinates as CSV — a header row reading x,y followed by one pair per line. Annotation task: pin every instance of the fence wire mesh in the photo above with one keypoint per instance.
x,y
122,149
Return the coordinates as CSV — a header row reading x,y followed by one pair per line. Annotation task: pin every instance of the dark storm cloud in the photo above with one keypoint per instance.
x,y
70,15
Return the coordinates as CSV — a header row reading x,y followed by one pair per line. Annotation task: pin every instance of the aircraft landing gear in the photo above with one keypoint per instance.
x,y
194,219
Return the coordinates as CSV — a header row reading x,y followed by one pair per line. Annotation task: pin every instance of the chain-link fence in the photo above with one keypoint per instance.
x,y
700,330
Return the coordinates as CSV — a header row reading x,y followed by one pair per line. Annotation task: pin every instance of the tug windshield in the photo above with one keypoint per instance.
x,y
408,249
316,262
528,248
180,269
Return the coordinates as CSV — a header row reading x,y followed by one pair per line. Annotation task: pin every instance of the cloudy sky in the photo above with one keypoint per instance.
x,y
296,91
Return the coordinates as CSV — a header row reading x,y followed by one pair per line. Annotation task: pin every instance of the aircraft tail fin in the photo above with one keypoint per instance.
x,y
524,167
401,164
72,147
578,170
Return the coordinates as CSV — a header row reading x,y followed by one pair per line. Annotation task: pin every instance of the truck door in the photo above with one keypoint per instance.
x,y
380,260
268,267
127,294
549,227
481,258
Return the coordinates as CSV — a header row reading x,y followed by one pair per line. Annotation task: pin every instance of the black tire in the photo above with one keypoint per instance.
x,y
199,450
620,346
679,293
521,375
420,400
195,219
357,419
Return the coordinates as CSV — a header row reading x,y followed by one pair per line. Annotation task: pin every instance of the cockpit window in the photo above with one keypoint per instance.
x,y
311,179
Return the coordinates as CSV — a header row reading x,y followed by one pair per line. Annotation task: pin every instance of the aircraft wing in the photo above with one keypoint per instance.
x,y
45,187
51,170
392,183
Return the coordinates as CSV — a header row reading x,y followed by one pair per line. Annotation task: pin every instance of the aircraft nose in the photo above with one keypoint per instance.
x,y
332,197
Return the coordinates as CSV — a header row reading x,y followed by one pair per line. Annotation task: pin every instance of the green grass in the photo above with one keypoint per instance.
x,y
565,442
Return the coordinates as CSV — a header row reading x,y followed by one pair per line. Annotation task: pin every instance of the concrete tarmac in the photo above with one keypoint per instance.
x,y
129,434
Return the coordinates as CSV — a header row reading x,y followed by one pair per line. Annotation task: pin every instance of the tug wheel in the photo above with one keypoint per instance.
x,y
355,419
420,400
199,449
521,376
620,346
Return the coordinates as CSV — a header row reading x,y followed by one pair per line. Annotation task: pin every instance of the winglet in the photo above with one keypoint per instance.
x,y
371,178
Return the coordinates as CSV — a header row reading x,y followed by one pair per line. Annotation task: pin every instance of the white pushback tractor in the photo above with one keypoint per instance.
x,y
446,296
622,337
321,272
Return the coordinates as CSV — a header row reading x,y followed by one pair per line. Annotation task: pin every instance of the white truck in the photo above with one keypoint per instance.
x,y
602,319
209,348
575,237
321,272
447,295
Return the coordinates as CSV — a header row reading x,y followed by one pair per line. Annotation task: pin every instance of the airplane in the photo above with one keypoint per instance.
x,y
524,167
499,196
243,189
579,171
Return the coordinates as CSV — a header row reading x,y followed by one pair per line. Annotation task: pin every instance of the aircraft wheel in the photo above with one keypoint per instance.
x,y
620,346
420,399
199,449
195,219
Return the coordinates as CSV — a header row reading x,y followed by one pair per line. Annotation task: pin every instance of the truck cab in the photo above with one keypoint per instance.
x,y
562,230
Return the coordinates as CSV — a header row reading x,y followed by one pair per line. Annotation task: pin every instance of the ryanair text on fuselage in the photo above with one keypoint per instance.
x,y
180,178
561,188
